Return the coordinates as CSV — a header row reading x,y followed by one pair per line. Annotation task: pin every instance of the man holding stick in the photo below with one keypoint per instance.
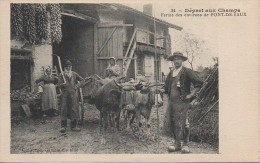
x,y
178,89
69,98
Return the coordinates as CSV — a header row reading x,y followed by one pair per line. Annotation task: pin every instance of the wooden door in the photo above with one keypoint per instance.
x,y
109,44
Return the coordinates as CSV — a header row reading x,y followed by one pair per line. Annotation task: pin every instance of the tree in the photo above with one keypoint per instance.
x,y
215,59
191,46
200,68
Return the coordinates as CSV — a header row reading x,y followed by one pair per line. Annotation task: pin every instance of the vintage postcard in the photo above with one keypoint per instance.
x,y
145,81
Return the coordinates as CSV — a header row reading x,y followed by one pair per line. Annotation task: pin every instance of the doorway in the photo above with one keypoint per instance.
x,y
77,45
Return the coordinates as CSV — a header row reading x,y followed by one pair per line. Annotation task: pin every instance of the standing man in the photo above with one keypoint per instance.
x,y
69,98
113,70
178,89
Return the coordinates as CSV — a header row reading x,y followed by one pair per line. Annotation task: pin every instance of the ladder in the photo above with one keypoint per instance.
x,y
127,61
54,71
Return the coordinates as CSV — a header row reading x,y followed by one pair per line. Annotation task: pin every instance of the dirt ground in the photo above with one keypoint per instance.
x,y
42,136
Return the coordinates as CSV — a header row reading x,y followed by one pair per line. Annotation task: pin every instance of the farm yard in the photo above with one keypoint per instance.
x,y
41,135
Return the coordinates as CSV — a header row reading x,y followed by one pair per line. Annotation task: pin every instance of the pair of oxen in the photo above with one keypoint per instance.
x,y
111,97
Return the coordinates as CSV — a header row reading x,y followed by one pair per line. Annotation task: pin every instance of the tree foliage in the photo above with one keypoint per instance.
x,y
192,46
36,23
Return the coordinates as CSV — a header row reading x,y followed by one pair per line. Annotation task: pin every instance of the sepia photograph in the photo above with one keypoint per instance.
x,y
129,81
111,79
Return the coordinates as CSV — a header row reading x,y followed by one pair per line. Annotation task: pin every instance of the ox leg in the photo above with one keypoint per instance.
x,y
117,121
125,115
105,124
113,121
132,116
148,125
128,120
110,121
101,120
138,119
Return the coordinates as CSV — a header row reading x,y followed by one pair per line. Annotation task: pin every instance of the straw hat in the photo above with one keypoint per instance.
x,y
177,54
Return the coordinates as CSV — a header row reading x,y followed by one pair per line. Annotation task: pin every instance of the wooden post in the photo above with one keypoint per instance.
x,y
95,63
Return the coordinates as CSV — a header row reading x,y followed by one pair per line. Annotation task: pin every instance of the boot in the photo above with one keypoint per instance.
x,y
75,126
63,126
62,130
175,147
54,113
185,147
44,114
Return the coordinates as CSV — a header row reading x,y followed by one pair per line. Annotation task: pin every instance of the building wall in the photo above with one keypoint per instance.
x,y
109,16
143,36
165,66
149,66
41,55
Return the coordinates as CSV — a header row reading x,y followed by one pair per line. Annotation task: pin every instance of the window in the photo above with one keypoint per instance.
x,y
149,65
151,35
140,64
20,69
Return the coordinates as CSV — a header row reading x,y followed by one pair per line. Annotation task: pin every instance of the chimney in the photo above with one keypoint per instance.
x,y
148,9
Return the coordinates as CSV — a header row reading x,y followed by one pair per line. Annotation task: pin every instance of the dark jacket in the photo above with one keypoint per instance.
x,y
72,82
48,79
186,77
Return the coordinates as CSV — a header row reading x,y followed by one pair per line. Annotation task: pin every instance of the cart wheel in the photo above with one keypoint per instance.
x,y
81,115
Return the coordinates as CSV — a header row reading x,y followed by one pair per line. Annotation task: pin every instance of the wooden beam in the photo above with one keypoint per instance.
x,y
110,36
143,30
129,61
114,25
95,48
72,15
107,58
22,50
135,66
130,43
80,16
20,57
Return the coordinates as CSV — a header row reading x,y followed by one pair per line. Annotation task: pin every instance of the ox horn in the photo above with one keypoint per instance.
x,y
118,84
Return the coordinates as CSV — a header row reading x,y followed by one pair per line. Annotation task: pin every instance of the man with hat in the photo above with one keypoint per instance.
x,y
178,90
69,98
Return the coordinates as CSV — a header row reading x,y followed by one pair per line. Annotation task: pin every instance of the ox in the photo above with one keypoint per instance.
x,y
140,104
106,97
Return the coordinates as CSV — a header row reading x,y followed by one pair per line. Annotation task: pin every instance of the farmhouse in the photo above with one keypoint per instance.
x,y
91,34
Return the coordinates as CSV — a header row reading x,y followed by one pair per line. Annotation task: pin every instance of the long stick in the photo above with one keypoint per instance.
x,y
60,68
207,111
155,57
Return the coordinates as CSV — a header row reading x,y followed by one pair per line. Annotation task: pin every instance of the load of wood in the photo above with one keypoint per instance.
x,y
208,94
24,95
26,101
205,115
